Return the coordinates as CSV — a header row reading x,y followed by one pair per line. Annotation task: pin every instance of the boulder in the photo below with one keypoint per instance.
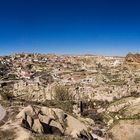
x,y
56,127
48,112
54,121
37,126
32,124
28,111
29,120
45,119
61,115
74,126
50,125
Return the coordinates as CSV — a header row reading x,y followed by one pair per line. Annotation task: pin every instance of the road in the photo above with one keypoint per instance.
x,y
2,113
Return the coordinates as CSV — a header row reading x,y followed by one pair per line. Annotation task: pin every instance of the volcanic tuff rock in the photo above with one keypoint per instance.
x,y
132,61
133,58
52,121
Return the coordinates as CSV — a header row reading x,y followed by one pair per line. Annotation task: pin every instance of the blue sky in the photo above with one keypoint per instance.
x,y
107,27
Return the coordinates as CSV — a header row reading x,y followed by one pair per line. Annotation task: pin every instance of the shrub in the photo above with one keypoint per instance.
x,y
7,135
67,106
6,94
135,94
62,94
94,115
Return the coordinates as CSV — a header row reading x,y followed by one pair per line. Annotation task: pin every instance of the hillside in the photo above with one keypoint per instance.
x,y
48,96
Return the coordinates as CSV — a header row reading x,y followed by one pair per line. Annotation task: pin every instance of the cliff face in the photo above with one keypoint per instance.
x,y
133,58
132,61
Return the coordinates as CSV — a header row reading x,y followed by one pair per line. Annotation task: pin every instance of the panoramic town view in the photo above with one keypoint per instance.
x,y
69,70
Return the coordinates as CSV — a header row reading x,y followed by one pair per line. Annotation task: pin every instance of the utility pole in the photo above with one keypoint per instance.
x,y
81,108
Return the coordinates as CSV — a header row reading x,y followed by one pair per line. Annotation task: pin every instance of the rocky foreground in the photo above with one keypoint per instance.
x,y
51,97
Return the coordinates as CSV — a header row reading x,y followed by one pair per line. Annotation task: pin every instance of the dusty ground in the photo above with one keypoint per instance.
x,y
21,133
126,130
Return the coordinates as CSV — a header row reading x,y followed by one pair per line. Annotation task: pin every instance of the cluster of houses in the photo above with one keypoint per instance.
x,y
85,75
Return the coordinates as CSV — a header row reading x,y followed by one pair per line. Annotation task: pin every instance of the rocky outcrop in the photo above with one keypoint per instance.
x,y
130,58
74,126
44,120
126,130
39,122
132,61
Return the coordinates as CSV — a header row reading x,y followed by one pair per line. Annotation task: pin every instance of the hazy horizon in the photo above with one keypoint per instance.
x,y
69,54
